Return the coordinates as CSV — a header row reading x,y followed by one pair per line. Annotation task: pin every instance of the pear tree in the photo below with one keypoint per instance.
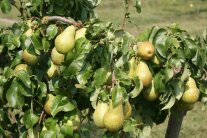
x,y
65,73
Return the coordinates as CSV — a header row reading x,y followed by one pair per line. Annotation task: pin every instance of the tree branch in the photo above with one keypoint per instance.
x,y
47,19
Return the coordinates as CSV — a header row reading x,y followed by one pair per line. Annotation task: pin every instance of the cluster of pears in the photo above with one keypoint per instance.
x,y
64,43
48,106
110,117
145,51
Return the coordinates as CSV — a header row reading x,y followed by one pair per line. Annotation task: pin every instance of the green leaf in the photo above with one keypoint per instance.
x,y
117,96
30,119
67,130
100,76
5,6
61,104
13,96
24,77
85,74
137,89
186,73
36,43
51,31
170,103
190,48
94,97
122,60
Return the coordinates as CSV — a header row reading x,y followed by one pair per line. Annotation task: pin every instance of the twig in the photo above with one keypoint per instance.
x,y
47,19
128,3
41,117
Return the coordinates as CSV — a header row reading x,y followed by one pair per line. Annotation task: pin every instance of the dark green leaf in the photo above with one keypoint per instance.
x,y
51,31
5,6
30,119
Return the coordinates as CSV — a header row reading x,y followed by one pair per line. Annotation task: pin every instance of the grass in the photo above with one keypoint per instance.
x,y
189,14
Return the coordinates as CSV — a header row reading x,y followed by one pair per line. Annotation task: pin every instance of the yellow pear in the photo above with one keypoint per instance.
x,y
114,118
144,74
65,41
48,103
127,110
24,67
191,93
80,33
29,58
56,57
53,70
132,68
145,50
99,113
150,93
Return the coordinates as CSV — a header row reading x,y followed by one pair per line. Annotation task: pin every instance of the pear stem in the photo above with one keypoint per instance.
x,y
47,19
175,122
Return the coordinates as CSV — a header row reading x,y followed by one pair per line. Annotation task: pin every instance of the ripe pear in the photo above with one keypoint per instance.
x,y
98,115
145,50
132,68
65,41
29,58
191,93
114,118
53,70
150,93
80,33
144,74
56,57
127,110
48,103
24,67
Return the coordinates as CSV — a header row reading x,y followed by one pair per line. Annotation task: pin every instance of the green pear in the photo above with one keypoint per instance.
x,y
127,110
150,93
48,103
114,118
56,57
191,93
65,41
98,115
53,70
132,68
145,50
144,74
29,58
24,67
80,33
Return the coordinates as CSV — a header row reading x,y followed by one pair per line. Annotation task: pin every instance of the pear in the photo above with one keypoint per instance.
x,y
80,33
65,41
131,68
114,118
24,67
29,58
191,93
99,113
53,70
56,57
127,110
145,50
150,93
48,103
144,74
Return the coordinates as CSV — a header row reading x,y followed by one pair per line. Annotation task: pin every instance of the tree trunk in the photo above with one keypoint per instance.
x,y
175,122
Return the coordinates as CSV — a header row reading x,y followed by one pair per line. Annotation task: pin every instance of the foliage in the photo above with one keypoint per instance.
x,y
96,69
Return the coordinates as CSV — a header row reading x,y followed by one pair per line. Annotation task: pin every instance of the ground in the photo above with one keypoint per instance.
x,y
189,14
